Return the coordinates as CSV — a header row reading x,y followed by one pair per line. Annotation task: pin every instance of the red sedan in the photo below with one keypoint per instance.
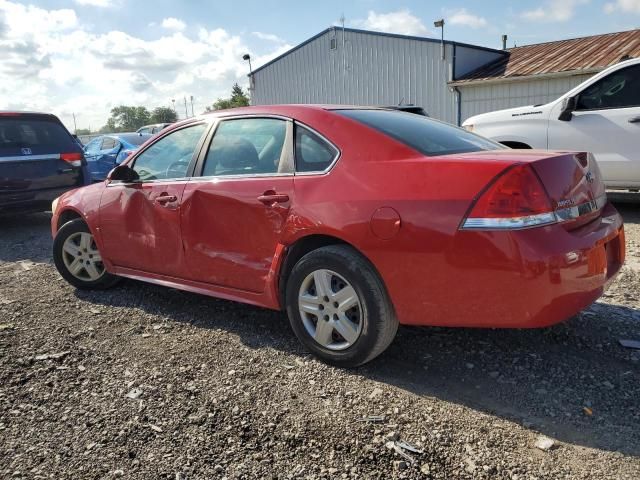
x,y
353,220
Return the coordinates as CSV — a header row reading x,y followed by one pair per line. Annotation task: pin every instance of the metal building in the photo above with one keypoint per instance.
x,y
451,80
358,67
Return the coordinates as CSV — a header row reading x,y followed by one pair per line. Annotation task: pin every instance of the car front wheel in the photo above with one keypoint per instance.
x,y
338,306
78,259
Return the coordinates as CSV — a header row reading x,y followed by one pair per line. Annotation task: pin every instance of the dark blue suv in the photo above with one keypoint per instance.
x,y
39,160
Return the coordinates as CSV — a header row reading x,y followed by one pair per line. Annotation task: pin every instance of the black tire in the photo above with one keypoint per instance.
x,y
379,322
78,225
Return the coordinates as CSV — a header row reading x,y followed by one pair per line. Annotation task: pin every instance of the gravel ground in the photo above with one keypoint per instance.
x,y
147,382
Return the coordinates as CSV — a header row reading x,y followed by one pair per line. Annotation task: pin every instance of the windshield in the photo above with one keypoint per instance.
x,y
427,136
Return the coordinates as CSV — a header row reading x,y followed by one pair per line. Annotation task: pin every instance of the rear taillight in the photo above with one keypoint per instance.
x,y
516,199
73,158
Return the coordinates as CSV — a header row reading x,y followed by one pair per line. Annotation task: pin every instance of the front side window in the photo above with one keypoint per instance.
x,y
427,136
246,146
170,156
313,154
620,89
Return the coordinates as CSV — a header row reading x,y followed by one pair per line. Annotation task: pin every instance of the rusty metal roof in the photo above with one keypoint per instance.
x,y
587,54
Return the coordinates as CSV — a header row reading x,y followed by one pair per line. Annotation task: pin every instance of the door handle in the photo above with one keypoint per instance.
x,y
635,119
162,199
269,198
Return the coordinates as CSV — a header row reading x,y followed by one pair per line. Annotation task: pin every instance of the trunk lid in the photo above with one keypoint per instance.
x,y
574,184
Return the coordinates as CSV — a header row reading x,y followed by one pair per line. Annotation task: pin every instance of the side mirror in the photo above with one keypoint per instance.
x,y
568,107
124,174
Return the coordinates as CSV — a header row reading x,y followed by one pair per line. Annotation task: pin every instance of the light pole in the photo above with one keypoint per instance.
x,y
440,24
173,101
192,114
247,58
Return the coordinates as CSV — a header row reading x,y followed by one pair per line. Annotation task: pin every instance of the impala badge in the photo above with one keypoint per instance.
x,y
590,177
26,151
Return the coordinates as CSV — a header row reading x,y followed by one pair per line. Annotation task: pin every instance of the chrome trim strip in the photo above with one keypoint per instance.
x,y
513,223
18,158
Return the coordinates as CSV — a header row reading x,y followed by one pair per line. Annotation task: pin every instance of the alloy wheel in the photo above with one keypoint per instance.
x,y
330,309
82,258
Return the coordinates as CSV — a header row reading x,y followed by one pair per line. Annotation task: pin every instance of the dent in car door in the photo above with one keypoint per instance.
x,y
233,218
140,222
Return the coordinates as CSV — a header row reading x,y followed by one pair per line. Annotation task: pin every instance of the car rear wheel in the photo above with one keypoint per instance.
x,y
78,259
338,306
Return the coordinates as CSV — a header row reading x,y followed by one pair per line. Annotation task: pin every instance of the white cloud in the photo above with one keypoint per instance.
x,y
554,11
400,21
98,3
631,6
463,17
173,23
268,37
50,62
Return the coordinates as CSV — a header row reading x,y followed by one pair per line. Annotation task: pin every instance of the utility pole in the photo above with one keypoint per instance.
x,y
173,100
75,127
186,112
192,113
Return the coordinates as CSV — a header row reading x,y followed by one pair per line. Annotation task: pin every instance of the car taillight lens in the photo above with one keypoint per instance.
x,y
516,199
74,158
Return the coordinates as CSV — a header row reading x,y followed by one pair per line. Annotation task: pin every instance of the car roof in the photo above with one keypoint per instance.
x,y
17,113
280,109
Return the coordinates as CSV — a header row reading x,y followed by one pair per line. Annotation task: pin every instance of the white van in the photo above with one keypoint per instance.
x,y
601,116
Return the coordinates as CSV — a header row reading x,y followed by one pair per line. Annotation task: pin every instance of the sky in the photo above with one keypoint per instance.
x,y
84,57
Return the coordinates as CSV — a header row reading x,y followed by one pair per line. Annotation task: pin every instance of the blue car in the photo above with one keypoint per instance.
x,y
105,152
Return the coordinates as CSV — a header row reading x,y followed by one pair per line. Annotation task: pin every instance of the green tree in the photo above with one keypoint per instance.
x,y
238,99
163,115
126,119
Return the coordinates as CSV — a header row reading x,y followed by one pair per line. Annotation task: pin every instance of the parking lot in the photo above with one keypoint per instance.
x,y
147,382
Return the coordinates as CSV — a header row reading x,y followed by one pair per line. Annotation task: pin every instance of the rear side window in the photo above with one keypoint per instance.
x,y
19,135
427,136
109,143
313,154
247,146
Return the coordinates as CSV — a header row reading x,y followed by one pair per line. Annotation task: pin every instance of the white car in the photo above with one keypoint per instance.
x,y
601,116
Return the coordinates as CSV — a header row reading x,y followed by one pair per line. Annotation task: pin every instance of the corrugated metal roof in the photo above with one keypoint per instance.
x,y
574,55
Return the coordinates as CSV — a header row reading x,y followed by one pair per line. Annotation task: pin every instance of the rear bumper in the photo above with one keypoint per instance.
x,y
30,200
517,279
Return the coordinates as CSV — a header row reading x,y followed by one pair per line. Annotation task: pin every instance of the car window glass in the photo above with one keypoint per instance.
x,y
247,146
427,136
38,135
144,130
108,143
93,146
170,156
619,89
313,154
